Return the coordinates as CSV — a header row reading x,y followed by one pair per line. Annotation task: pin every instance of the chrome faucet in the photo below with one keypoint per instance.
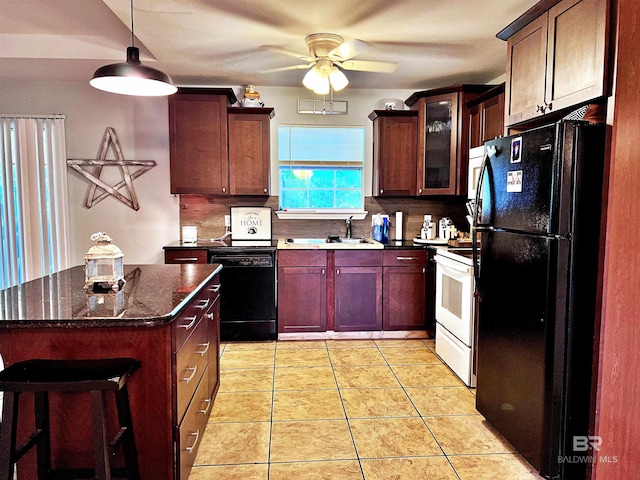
x,y
348,222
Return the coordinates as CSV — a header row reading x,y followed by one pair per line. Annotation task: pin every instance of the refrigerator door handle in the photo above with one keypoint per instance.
x,y
485,167
491,150
476,263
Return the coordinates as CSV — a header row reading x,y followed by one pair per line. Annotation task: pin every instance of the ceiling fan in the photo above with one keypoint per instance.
x,y
329,54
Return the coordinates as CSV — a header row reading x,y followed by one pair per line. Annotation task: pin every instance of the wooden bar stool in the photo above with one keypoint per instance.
x,y
93,376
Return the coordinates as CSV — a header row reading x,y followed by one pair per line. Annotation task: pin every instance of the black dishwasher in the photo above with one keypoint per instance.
x,y
248,300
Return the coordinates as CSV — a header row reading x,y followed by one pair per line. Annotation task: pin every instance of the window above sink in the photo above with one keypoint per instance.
x,y
320,172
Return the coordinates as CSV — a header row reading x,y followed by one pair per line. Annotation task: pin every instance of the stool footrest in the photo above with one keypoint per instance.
x,y
26,446
83,473
117,440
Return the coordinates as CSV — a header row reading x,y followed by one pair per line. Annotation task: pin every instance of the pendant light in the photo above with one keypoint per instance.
x,y
131,77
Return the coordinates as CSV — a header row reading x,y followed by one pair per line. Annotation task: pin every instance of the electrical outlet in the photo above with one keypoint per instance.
x,y
227,220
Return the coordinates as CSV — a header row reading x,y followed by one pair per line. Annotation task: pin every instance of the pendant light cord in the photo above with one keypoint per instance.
x,y
133,44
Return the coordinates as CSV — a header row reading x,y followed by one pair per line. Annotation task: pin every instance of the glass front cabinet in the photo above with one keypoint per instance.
x,y
443,138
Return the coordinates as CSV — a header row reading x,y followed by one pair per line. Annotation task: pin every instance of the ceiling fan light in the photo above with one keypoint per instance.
x,y
338,79
312,78
322,86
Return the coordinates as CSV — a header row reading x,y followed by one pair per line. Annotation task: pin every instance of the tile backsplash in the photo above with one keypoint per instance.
x,y
207,213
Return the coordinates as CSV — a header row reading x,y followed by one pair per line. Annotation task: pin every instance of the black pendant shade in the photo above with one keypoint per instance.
x,y
131,77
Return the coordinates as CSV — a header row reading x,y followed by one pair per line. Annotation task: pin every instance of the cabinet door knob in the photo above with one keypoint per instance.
x,y
264,190
540,108
224,189
381,190
548,106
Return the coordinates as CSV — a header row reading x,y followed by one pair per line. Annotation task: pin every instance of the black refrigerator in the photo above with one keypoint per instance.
x,y
538,218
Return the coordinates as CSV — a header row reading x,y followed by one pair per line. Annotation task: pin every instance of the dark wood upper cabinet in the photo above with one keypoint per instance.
x,y
486,116
443,138
249,150
558,60
217,149
198,141
395,159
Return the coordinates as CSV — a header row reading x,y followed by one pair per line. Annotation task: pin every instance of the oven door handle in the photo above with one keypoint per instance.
x,y
452,264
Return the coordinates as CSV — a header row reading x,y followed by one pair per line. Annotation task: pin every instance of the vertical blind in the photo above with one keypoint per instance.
x,y
34,214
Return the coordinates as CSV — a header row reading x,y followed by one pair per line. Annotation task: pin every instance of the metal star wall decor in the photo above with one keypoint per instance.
x,y
98,190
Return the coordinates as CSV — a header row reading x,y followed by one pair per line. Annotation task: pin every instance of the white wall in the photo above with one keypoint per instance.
x,y
141,125
142,128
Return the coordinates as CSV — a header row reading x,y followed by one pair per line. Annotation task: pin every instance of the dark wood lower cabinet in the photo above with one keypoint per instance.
x,y
358,298
302,291
366,290
185,255
404,290
404,298
302,299
358,290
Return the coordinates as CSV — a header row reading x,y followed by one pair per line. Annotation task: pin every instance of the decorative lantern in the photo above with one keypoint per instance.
x,y
105,304
103,270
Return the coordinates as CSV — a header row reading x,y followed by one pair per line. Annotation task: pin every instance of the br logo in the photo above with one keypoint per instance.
x,y
581,443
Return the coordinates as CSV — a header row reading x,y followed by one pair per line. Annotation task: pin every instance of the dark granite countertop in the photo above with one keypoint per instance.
x,y
222,245
153,295
403,244
238,244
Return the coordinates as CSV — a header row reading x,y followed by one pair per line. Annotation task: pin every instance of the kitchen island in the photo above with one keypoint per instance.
x,y
167,316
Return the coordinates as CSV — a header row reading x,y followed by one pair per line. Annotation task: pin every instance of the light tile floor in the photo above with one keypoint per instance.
x,y
348,410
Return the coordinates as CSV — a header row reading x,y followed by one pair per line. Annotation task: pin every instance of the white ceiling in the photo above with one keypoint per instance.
x,y
231,42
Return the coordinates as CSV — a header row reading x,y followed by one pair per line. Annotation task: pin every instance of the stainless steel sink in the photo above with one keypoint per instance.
x,y
306,241
351,240
330,243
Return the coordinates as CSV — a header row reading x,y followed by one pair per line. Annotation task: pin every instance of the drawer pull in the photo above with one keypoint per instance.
x,y
192,322
202,304
185,259
406,258
209,316
206,410
206,349
195,442
216,288
193,374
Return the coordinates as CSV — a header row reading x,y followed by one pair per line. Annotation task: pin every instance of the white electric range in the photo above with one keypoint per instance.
x,y
455,311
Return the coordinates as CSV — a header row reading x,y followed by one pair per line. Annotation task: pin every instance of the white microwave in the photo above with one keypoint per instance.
x,y
476,155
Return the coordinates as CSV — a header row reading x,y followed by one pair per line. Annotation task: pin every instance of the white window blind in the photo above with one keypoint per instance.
x,y
320,168
34,216
321,145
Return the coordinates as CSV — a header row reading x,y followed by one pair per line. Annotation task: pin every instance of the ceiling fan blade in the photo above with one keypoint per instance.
x,y
349,49
291,67
369,66
301,56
